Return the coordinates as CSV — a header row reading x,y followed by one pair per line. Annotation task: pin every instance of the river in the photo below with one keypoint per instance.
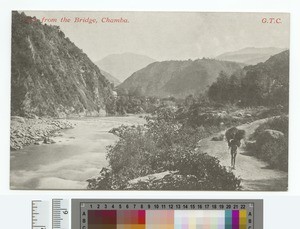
x,y
77,155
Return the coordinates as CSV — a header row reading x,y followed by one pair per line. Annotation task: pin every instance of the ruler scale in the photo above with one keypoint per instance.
x,y
40,214
60,214
53,214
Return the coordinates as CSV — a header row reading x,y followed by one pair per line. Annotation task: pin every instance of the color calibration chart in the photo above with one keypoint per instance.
x,y
176,214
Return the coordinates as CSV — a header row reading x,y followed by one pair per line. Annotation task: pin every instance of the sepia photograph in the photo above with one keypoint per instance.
x,y
194,101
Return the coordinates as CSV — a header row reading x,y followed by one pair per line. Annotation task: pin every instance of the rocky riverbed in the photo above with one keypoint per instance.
x,y
25,131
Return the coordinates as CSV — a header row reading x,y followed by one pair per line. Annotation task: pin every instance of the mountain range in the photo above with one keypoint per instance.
x,y
178,78
250,55
121,66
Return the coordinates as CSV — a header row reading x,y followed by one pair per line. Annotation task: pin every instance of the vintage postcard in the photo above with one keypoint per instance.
x,y
149,101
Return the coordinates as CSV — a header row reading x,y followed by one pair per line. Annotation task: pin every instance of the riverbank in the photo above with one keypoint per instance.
x,y
25,131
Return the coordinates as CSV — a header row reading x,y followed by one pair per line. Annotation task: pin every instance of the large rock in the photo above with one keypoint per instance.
x,y
220,137
152,177
273,134
269,135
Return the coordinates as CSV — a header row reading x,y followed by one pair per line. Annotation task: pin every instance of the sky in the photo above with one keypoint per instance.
x,y
170,36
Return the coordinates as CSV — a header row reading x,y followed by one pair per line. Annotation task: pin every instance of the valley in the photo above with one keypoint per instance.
x,y
127,121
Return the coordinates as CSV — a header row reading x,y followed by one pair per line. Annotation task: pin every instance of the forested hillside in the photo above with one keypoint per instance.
x,y
177,78
264,84
50,75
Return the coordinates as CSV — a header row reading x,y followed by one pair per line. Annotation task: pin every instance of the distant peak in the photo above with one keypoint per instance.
x,y
250,55
127,54
123,65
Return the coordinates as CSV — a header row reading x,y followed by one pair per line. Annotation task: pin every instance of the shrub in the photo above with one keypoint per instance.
x,y
272,149
208,171
276,153
163,144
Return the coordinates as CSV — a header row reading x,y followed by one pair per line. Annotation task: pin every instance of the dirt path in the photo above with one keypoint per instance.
x,y
255,174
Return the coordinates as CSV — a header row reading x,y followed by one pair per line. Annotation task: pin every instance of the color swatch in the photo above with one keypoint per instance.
x,y
167,219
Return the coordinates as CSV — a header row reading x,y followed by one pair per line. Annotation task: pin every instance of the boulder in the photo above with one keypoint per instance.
x,y
218,138
273,134
269,135
152,177
48,140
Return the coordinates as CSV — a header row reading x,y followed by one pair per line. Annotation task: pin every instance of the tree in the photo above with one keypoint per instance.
x,y
219,91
